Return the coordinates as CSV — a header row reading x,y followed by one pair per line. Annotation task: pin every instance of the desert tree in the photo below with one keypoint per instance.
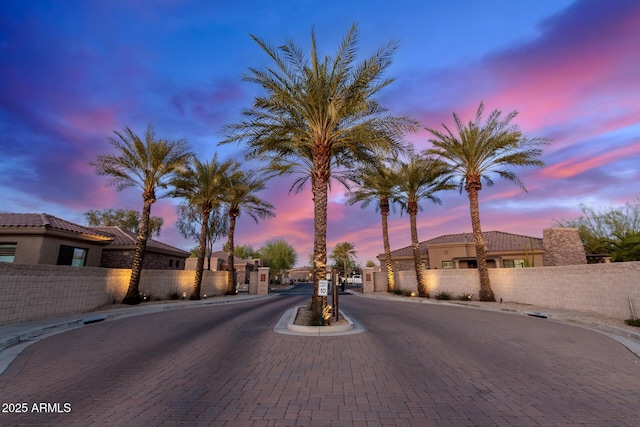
x,y
418,179
202,185
475,152
318,117
149,163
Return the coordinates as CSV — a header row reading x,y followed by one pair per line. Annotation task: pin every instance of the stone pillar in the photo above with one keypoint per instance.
x,y
562,246
263,281
367,280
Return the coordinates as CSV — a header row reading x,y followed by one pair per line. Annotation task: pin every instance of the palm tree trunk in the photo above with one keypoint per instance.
x,y
486,294
415,245
231,269
384,210
197,284
319,187
133,292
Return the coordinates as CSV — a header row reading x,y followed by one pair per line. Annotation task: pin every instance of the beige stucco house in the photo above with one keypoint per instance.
x,y
455,251
29,238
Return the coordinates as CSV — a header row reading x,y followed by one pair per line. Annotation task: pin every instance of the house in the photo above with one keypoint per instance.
x,y
219,262
45,239
29,238
455,251
158,255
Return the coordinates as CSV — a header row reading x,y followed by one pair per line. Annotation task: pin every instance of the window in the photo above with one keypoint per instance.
x,y
68,255
447,264
7,252
170,263
513,263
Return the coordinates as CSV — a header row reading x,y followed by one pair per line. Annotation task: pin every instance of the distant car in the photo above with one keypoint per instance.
x,y
356,279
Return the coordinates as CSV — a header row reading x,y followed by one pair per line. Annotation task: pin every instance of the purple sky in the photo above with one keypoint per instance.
x,y
72,72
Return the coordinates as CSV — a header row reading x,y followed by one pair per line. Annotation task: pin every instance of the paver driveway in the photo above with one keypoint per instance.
x,y
417,365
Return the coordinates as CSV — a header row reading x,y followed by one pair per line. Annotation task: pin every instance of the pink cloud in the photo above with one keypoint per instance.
x,y
581,163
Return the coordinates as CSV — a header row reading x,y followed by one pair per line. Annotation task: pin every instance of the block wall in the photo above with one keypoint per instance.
x,y
31,292
598,288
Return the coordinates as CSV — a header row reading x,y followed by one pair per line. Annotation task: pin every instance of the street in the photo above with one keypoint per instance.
x,y
416,365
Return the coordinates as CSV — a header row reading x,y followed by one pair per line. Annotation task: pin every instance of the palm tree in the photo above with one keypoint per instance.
x,y
475,152
202,185
416,180
375,184
240,196
319,118
344,253
149,164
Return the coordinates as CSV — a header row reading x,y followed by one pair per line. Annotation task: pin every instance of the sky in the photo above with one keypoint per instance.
x,y
72,72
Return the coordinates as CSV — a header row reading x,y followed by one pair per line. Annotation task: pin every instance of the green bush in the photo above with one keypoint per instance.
x,y
633,322
442,295
464,297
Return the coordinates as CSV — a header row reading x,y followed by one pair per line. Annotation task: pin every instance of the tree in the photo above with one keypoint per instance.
x,y
278,255
609,231
240,196
344,254
475,152
245,252
149,164
416,180
370,263
202,185
375,183
189,216
127,219
317,118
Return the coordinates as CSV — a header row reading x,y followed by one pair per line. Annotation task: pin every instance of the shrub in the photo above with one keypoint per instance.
x,y
174,295
442,295
464,297
633,322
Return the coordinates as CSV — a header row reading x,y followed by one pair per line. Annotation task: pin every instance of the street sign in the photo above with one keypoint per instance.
x,y
323,288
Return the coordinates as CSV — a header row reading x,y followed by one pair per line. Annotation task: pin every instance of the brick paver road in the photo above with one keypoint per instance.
x,y
417,365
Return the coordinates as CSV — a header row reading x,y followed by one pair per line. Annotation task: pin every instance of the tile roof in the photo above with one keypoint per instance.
x,y
43,220
123,237
497,241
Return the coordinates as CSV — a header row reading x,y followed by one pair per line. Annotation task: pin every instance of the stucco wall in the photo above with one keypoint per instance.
x,y
598,288
31,292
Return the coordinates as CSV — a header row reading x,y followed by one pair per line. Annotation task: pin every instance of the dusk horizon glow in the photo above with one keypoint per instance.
x,y
71,73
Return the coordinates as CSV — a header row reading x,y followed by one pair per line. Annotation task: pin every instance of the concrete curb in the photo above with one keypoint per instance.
x,y
286,326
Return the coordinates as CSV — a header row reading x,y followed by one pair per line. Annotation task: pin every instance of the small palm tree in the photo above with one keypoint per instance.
x,y
344,253
240,196
476,151
202,185
416,180
149,164
319,117
375,184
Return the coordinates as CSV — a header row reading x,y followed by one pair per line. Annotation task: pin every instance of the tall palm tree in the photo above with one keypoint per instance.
x,y
376,184
416,180
476,151
318,118
149,164
203,185
240,196
344,252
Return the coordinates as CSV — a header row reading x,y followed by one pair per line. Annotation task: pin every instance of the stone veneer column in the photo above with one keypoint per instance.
x,y
263,281
367,280
562,246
